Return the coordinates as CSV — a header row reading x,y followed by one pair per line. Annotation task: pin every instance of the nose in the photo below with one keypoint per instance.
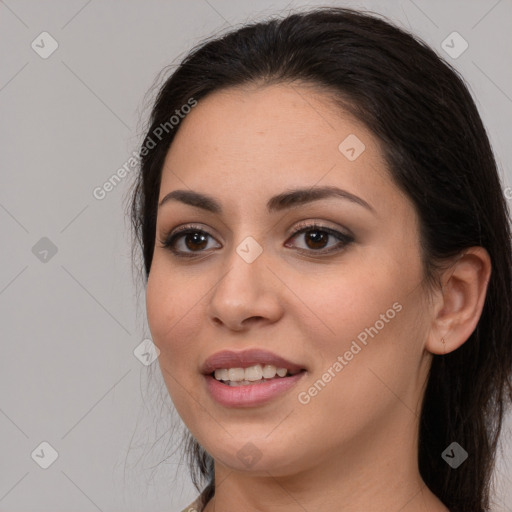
x,y
247,294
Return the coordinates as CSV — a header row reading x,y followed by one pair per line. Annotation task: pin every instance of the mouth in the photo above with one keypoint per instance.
x,y
255,374
249,378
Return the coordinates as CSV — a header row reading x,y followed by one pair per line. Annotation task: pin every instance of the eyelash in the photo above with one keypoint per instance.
x,y
344,239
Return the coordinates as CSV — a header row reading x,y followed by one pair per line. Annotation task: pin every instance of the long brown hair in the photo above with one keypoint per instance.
x,y
438,153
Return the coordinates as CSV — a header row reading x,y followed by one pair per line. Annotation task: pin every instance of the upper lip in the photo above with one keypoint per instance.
x,y
245,358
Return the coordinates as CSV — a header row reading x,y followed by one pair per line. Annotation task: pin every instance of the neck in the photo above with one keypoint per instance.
x,y
376,472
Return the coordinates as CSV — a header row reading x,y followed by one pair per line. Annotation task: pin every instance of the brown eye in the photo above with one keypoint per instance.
x,y
319,240
196,241
316,239
188,241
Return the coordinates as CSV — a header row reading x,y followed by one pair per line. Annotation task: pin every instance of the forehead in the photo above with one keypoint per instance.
x,y
254,138
268,121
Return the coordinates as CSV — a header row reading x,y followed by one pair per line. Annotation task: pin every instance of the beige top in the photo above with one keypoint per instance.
x,y
194,507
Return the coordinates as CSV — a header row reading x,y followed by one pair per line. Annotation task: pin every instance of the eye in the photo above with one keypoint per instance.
x,y
320,239
188,240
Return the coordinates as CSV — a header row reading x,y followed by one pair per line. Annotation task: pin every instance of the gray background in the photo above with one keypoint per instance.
x,y
70,323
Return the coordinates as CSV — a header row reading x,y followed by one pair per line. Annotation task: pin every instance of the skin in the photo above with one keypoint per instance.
x,y
354,445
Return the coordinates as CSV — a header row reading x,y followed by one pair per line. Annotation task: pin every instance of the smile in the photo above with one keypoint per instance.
x,y
249,378
250,375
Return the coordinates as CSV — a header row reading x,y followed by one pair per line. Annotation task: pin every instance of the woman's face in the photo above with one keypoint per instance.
x,y
341,302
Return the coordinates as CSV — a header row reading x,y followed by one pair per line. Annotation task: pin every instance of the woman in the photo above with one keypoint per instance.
x,y
328,259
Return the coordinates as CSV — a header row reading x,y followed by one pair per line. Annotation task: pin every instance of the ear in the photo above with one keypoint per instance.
x,y
459,303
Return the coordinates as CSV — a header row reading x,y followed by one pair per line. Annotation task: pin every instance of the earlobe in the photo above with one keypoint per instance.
x,y
460,301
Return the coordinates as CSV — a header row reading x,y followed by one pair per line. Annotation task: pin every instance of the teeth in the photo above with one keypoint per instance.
x,y
269,371
221,374
253,373
242,376
236,374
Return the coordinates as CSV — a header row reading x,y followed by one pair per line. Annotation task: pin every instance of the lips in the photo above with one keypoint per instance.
x,y
245,394
246,358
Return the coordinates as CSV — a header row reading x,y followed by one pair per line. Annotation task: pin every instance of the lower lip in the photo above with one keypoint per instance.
x,y
250,395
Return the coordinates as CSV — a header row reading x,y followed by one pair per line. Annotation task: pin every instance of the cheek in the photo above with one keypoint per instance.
x,y
342,304
372,314
374,346
173,313
172,309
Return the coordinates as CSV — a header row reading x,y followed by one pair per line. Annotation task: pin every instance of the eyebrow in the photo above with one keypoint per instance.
x,y
289,199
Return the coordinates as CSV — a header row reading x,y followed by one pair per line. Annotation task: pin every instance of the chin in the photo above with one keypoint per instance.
x,y
255,454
